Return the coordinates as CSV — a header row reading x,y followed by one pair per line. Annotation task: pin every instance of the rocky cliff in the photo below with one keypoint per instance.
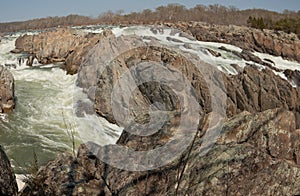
x,y
8,184
7,100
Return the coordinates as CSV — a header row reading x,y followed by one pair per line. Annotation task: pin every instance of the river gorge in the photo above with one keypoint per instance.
x,y
254,94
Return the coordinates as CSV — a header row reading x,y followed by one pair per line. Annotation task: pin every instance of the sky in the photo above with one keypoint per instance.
x,y
19,10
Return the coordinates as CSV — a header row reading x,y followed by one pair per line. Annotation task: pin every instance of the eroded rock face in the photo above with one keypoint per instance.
x,y
256,90
248,158
59,45
7,101
8,183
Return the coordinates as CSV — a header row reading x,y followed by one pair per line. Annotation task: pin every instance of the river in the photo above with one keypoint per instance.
x,y
45,98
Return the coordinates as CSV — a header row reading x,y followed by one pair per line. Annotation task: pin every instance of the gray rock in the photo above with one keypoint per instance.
x,y
8,183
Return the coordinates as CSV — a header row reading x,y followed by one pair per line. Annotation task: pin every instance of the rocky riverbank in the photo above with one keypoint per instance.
x,y
249,158
267,41
46,46
256,151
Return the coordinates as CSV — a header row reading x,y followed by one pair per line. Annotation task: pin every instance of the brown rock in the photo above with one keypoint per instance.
x,y
293,76
59,45
257,151
267,41
7,102
255,90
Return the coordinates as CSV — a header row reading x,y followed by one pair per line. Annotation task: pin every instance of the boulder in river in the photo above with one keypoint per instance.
x,y
7,101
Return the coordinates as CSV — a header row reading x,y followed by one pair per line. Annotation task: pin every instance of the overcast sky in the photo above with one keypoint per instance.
x,y
18,10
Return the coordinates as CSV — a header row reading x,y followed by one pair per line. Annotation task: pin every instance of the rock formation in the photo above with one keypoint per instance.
x,y
59,45
8,183
248,159
7,101
47,47
255,91
125,53
252,90
266,41
256,152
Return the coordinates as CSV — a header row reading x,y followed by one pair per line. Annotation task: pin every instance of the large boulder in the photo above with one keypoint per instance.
x,y
153,67
59,45
8,183
7,101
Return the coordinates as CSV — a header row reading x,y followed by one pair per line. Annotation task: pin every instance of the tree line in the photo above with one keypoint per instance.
x,y
288,25
213,14
43,23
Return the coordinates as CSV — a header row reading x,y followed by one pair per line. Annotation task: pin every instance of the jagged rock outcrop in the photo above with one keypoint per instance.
x,y
266,41
252,90
59,45
248,158
256,90
8,183
125,53
7,100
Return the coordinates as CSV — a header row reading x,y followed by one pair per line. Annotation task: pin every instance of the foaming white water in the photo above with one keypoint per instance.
x,y
223,62
279,62
91,127
44,112
171,37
